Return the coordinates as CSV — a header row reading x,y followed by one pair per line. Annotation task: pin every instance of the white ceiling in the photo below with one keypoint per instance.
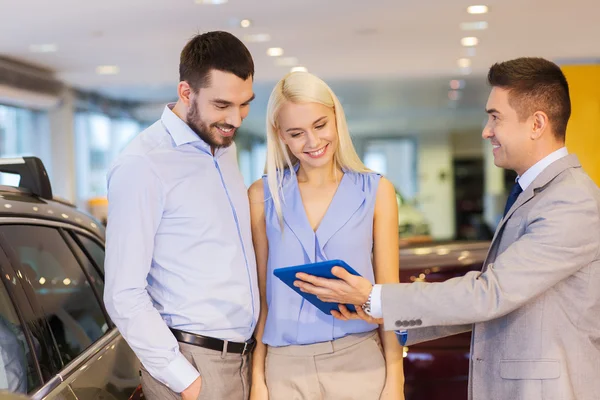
x,y
389,60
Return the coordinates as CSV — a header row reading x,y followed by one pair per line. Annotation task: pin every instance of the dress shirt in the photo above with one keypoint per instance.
x,y
179,250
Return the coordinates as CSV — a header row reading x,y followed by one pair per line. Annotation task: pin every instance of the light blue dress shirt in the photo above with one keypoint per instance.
x,y
179,249
345,232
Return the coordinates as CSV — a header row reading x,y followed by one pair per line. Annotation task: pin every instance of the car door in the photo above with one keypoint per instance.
x,y
20,350
66,286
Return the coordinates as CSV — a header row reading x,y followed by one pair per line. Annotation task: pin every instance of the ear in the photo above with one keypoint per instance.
x,y
184,92
540,124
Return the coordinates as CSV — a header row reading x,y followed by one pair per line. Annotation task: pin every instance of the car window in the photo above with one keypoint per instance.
x,y
94,249
17,363
62,289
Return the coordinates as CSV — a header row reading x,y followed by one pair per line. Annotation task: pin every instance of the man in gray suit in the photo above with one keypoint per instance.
x,y
534,309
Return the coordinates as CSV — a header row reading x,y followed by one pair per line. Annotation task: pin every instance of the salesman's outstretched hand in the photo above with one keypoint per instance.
x,y
349,289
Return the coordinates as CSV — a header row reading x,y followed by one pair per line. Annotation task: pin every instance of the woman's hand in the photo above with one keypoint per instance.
x,y
346,315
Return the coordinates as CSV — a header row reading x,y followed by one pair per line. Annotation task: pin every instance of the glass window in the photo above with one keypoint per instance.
x,y
251,159
24,132
62,289
98,139
396,158
94,249
17,366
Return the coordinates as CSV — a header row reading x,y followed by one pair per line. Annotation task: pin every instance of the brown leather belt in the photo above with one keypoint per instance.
x,y
213,343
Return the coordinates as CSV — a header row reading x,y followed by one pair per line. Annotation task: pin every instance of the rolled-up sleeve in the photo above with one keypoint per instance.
x,y
136,199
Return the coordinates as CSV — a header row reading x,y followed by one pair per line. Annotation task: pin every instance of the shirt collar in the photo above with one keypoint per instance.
x,y
179,130
533,172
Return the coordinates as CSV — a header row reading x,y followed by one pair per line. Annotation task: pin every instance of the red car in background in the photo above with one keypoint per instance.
x,y
439,369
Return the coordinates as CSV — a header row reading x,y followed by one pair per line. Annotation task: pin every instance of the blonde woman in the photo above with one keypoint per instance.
x,y
319,202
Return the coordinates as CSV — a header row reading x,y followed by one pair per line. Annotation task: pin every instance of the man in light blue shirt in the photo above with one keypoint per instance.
x,y
180,268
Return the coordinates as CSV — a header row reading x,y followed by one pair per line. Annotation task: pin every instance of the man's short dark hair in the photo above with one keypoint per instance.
x,y
214,50
535,84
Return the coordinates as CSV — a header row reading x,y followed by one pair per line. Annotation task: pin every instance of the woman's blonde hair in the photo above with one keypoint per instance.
x,y
303,87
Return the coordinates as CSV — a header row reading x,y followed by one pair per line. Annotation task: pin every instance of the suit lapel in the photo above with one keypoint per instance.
x,y
540,182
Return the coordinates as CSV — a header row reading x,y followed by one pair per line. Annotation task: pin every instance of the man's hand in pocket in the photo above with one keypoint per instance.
x,y
193,391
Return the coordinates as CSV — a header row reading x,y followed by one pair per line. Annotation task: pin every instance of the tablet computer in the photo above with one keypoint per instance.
x,y
320,269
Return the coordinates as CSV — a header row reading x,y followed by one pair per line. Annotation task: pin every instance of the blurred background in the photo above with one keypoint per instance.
x,y
79,79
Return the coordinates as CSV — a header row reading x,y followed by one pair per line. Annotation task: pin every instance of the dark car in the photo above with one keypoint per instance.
x,y
56,339
439,369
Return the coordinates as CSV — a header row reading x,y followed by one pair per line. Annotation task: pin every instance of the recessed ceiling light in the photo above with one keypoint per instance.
x,y
457,84
211,1
299,69
469,41
107,70
286,61
275,51
478,9
469,51
464,62
43,48
466,71
257,38
454,95
474,26
245,23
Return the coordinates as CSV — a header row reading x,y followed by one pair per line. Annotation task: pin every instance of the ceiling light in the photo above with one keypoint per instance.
x,y
257,38
107,70
469,41
469,52
464,62
299,69
456,84
43,48
245,23
286,61
466,71
474,26
479,9
454,95
211,1
275,51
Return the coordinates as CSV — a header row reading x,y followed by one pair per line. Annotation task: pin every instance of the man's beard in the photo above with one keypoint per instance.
x,y
205,132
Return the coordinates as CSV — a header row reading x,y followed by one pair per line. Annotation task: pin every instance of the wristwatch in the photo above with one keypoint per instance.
x,y
367,305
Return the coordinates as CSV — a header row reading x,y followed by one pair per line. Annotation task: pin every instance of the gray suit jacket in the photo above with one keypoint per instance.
x,y
535,307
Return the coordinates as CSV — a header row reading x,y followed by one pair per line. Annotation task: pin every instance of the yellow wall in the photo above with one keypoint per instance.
x,y
583,132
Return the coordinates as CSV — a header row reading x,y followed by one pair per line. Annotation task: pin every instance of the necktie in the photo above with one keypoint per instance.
x,y
512,197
